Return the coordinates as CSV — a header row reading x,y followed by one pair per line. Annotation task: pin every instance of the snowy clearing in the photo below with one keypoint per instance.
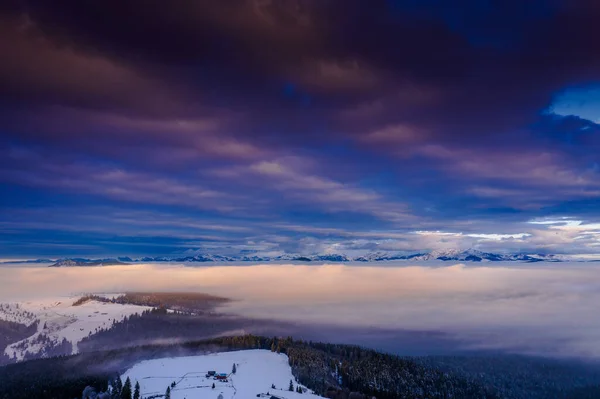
x,y
59,319
256,372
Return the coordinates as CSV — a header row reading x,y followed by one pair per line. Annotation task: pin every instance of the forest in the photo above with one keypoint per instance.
x,y
182,302
332,370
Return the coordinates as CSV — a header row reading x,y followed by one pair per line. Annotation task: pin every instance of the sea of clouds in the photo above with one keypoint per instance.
x,y
547,309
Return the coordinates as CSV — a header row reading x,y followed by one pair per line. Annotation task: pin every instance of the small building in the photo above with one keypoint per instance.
x,y
221,376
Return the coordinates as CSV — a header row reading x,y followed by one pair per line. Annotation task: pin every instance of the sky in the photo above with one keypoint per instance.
x,y
151,128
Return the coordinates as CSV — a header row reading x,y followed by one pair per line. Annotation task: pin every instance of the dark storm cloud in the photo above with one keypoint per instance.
x,y
354,115
286,60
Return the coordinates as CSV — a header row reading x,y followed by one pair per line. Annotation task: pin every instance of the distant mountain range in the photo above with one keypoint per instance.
x,y
87,262
469,255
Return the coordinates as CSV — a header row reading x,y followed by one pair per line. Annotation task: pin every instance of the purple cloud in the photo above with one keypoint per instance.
x,y
303,121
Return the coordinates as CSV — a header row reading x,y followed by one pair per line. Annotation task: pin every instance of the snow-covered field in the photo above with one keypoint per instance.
x,y
257,370
59,319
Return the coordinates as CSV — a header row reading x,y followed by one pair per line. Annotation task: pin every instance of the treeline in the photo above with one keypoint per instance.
x,y
352,368
190,303
186,302
87,298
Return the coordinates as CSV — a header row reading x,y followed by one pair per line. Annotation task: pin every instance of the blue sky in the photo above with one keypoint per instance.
x,y
300,127
583,102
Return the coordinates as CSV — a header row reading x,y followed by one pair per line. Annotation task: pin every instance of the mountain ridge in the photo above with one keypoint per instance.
x,y
469,255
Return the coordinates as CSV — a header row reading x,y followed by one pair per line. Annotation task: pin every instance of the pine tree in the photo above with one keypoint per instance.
x,y
291,388
136,392
117,386
126,391
233,369
168,393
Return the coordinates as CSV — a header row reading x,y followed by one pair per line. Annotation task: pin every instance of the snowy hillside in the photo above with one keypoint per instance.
x,y
61,323
256,373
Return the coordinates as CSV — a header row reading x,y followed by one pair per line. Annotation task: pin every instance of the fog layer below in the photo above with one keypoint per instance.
x,y
547,309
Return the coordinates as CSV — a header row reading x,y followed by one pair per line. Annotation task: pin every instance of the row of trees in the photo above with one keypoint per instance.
x,y
292,389
116,390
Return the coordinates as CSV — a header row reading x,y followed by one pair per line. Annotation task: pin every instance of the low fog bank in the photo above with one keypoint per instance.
x,y
545,310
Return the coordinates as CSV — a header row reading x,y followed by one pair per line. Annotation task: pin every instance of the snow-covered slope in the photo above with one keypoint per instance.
x,y
257,371
59,319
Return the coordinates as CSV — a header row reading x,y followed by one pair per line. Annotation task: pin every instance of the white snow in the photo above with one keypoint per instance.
x,y
59,319
256,371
